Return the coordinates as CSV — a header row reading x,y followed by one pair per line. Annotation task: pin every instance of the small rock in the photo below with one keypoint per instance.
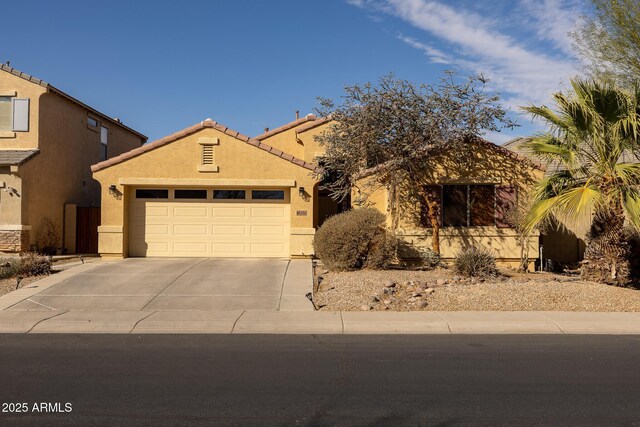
x,y
441,282
386,291
416,294
390,284
364,308
429,291
325,271
386,301
412,299
406,283
375,298
457,278
423,304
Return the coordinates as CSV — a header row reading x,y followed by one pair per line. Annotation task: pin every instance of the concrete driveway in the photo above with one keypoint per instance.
x,y
173,284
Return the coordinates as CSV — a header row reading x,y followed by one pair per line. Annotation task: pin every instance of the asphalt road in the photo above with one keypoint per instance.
x,y
319,380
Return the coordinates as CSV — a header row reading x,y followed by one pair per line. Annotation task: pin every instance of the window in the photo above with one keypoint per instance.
x,y
14,114
482,202
229,194
190,194
5,113
104,141
152,194
454,205
92,122
267,194
470,205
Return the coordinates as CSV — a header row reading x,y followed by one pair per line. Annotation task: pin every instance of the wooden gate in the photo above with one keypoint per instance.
x,y
87,222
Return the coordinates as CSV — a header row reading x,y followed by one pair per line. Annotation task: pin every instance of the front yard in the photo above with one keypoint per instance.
x,y
441,290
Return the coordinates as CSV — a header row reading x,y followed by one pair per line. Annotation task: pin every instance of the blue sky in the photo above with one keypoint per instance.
x,y
161,66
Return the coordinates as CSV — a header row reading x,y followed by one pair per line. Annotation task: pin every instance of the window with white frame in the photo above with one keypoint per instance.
x,y
14,114
104,141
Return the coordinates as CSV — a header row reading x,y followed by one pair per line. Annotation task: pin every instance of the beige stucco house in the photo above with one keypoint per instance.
x,y
211,191
48,142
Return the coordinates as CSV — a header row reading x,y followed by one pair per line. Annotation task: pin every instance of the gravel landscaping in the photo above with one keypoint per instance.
x,y
9,285
441,290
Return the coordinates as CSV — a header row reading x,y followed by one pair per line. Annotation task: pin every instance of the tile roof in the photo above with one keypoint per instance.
x,y
313,124
208,123
16,157
53,89
291,125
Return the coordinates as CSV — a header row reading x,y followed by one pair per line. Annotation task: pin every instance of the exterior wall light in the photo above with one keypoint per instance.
x,y
301,192
112,190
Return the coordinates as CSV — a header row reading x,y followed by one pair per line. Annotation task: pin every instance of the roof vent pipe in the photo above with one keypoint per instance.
x,y
297,114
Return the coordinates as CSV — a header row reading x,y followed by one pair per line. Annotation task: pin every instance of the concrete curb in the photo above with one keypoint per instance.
x,y
318,322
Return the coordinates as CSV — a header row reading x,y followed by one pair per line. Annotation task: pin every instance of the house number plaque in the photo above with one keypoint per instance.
x,y
301,213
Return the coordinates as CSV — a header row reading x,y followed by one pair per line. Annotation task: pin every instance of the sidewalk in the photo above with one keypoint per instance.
x,y
299,322
294,315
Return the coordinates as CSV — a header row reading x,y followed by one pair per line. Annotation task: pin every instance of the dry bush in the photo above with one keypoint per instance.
x,y
355,239
475,262
34,264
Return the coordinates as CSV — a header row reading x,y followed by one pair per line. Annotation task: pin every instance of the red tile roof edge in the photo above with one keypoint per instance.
x,y
208,123
285,127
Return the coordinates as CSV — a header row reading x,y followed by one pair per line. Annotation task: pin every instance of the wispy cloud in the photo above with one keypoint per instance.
x,y
475,43
437,56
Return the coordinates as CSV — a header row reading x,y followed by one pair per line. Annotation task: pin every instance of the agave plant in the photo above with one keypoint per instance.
x,y
593,175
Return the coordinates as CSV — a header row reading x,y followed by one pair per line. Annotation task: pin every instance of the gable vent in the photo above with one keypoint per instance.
x,y
207,155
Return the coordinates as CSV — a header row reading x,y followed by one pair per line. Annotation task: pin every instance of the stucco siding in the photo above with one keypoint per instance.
x,y
236,160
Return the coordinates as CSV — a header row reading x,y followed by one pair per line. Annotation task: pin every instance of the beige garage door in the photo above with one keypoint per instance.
x,y
209,223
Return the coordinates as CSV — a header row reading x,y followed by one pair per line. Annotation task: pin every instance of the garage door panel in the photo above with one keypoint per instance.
x,y
267,230
229,249
230,212
190,211
165,228
152,210
152,229
184,248
266,249
189,229
268,212
229,230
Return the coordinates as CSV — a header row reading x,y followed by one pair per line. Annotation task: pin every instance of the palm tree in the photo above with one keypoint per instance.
x,y
593,175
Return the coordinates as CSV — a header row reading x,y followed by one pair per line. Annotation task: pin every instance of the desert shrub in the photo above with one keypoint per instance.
x,y
49,236
475,262
355,239
430,259
34,264
9,267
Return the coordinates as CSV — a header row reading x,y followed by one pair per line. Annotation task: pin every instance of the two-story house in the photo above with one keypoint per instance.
x,y
48,141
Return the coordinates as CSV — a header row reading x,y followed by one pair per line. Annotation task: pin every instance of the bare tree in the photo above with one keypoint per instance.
x,y
384,135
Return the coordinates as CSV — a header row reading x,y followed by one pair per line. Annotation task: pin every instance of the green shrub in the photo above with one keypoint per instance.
x,y
355,239
475,262
9,267
34,264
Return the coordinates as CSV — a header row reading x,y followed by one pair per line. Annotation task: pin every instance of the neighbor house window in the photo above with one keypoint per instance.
x,y
470,205
152,194
14,114
92,122
267,194
104,141
229,194
5,113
